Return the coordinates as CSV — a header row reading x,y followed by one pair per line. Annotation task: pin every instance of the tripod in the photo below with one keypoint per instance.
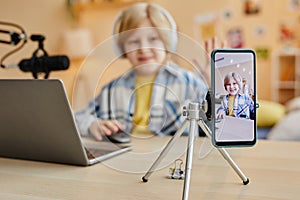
x,y
192,117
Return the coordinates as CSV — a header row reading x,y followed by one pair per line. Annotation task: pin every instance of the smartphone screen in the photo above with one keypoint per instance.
x,y
233,97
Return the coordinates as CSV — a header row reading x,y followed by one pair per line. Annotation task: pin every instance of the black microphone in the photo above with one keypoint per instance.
x,y
44,64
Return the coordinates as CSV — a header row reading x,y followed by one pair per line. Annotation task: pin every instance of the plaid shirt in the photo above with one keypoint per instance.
x,y
173,88
243,106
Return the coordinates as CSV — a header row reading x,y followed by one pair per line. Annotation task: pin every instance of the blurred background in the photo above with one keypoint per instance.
x,y
74,27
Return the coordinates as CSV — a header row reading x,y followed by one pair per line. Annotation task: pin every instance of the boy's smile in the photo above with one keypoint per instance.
x,y
232,87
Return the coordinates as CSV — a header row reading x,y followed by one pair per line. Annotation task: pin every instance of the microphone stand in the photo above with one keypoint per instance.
x,y
15,38
192,118
36,61
40,40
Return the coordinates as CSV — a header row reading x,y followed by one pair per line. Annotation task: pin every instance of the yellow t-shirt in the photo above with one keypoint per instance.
x,y
231,100
143,91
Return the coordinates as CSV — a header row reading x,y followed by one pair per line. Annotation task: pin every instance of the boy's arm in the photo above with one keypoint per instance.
x,y
85,117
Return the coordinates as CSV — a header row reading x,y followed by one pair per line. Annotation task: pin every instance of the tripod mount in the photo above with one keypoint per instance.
x,y
192,115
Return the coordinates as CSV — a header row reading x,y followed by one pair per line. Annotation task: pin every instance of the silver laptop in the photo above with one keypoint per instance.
x,y
37,123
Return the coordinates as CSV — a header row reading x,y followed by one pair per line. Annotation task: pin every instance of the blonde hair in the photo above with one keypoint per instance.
x,y
134,15
235,76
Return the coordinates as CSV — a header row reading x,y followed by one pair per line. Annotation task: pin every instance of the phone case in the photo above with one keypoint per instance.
x,y
234,103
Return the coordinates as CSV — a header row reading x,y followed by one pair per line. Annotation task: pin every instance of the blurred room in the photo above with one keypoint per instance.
x,y
75,27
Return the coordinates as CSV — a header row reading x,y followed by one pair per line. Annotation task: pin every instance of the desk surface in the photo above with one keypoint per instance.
x,y
272,167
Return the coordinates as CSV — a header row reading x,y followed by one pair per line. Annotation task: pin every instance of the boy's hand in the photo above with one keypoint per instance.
x,y
105,127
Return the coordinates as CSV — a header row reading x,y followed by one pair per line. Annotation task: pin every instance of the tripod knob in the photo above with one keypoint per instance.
x,y
184,111
204,106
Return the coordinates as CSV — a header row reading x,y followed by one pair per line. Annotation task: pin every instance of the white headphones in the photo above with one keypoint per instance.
x,y
173,32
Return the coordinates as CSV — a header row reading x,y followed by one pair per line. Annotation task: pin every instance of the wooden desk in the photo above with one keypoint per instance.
x,y
273,169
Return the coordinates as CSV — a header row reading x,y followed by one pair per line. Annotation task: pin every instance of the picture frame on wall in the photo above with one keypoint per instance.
x,y
252,7
235,37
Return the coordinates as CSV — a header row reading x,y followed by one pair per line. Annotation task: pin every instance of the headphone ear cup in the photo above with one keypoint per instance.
x,y
116,48
173,37
173,40
115,33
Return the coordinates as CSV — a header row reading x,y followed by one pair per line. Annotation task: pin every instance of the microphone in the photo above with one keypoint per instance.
x,y
44,64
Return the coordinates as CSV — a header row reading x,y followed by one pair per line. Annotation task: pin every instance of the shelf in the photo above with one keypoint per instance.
x,y
286,84
78,7
285,95
81,6
285,79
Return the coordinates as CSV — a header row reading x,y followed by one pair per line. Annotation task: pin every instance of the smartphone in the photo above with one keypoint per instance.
x,y
234,105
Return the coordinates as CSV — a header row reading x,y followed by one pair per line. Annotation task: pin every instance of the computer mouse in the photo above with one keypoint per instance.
x,y
119,137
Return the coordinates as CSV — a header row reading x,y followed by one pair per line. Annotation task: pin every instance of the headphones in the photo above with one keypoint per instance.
x,y
172,37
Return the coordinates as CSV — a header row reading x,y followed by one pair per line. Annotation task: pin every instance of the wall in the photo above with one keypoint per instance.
x,y
49,18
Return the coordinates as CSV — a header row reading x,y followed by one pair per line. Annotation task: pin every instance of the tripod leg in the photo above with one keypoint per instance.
x,y
225,154
227,157
189,159
165,150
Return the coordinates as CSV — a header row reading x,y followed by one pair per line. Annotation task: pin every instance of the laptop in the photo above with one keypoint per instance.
x,y
235,129
37,123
